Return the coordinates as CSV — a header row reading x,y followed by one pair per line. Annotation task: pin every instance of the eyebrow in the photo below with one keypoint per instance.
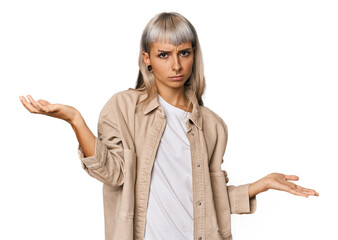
x,y
171,51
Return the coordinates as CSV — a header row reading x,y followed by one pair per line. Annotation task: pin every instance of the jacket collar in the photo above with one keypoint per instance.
x,y
195,115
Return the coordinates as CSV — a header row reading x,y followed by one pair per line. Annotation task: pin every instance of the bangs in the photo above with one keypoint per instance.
x,y
170,29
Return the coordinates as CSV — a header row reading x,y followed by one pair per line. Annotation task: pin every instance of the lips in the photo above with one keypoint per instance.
x,y
178,77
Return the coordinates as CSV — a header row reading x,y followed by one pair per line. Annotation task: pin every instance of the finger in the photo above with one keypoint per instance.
x,y
306,191
34,103
291,177
42,108
44,102
28,105
297,192
309,191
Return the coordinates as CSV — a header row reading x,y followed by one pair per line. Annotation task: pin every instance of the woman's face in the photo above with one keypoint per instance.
x,y
169,61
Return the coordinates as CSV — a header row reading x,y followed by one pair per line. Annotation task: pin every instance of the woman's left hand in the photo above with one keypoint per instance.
x,y
281,182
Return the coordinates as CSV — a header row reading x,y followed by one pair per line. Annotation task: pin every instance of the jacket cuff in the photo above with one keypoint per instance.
x,y
241,202
95,161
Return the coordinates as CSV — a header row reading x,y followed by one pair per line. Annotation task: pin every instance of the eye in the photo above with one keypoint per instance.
x,y
162,55
185,53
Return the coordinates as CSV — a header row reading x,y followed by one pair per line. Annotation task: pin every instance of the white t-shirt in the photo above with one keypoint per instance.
x,y
170,206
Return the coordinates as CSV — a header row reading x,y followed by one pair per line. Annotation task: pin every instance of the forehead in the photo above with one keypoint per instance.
x,y
168,46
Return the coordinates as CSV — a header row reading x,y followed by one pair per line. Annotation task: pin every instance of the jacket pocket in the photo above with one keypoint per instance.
x,y
221,201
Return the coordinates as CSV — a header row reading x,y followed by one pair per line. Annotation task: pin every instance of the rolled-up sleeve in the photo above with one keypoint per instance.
x,y
107,163
240,202
96,160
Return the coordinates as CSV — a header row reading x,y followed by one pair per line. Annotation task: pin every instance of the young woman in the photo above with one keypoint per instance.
x,y
159,150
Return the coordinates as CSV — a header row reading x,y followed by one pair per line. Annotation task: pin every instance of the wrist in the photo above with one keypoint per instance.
x,y
257,187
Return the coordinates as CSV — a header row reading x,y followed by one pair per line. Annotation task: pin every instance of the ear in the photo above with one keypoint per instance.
x,y
146,58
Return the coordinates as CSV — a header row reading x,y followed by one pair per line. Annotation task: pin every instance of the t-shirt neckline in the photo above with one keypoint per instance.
x,y
171,107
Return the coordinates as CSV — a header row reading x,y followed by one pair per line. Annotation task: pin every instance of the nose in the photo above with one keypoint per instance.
x,y
176,64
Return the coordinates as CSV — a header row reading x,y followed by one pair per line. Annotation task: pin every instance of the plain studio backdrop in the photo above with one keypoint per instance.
x,y
271,74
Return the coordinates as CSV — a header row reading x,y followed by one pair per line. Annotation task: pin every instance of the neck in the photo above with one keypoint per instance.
x,y
175,96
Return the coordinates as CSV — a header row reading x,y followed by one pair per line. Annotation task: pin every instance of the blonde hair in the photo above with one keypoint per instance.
x,y
176,29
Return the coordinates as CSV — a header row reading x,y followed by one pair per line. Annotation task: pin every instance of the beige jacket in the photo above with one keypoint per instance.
x,y
128,139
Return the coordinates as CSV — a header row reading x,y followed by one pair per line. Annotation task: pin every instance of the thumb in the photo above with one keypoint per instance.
x,y
291,177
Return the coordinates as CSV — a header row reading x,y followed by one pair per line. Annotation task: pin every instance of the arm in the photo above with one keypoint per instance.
x,y
243,198
103,157
66,113
85,137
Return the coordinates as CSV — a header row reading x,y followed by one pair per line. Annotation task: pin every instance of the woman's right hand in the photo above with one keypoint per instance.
x,y
64,112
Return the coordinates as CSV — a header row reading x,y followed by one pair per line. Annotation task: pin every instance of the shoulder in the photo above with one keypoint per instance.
x,y
122,100
129,94
212,119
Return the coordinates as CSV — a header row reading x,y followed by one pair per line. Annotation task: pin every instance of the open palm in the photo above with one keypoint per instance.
x,y
281,182
44,107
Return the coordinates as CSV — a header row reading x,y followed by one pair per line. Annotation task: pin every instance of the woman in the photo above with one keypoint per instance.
x,y
159,150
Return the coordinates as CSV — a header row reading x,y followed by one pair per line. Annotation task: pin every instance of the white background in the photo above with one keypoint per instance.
x,y
271,73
